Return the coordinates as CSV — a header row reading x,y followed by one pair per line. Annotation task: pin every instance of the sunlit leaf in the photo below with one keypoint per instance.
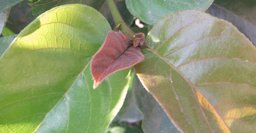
x,y
195,55
85,110
43,85
150,11
40,6
117,53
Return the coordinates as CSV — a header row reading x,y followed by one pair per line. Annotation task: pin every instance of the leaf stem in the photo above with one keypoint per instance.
x,y
118,18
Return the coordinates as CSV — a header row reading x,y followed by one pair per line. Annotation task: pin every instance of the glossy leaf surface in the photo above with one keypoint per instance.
x,y
115,54
150,11
195,55
39,69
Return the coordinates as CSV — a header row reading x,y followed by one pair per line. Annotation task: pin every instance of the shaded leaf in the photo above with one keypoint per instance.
x,y
116,53
5,4
42,63
121,128
19,17
245,8
130,111
7,32
4,43
155,120
3,17
40,6
217,64
151,11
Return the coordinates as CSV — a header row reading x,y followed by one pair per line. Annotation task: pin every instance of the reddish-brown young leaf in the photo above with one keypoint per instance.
x,y
117,53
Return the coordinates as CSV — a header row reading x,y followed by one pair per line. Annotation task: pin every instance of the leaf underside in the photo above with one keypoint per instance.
x,y
196,58
115,54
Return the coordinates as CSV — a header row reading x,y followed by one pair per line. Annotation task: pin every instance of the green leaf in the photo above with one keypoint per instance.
x,y
40,72
195,55
4,4
85,110
155,119
7,32
151,11
4,43
40,6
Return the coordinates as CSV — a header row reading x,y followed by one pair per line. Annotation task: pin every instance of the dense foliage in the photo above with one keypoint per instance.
x,y
127,66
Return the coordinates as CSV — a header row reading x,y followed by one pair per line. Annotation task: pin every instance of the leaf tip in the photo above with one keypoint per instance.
x,y
95,84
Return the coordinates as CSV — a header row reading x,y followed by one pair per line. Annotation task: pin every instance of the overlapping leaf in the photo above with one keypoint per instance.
x,y
40,86
155,119
85,110
117,53
195,57
151,11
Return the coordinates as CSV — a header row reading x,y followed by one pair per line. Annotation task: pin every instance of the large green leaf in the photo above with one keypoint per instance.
x,y
40,75
150,11
195,55
40,6
4,4
85,110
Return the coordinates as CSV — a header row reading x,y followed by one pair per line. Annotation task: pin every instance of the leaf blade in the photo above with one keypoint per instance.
x,y
115,54
151,11
43,61
216,54
82,105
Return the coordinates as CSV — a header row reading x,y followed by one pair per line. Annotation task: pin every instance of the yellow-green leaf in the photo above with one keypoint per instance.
x,y
44,86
